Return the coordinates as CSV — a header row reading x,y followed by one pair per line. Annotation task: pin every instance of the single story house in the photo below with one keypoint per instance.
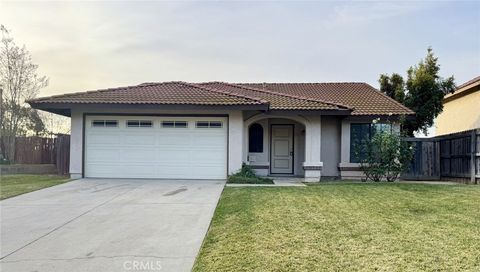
x,y
179,130
464,103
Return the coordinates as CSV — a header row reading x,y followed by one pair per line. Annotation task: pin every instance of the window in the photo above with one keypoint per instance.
x,y
360,135
209,124
174,124
139,123
255,138
202,124
104,123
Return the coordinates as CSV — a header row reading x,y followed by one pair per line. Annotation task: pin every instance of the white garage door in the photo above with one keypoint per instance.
x,y
156,147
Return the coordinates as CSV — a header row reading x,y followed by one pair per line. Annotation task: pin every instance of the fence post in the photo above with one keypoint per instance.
x,y
473,153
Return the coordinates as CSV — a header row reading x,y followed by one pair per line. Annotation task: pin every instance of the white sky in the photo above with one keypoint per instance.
x,y
90,45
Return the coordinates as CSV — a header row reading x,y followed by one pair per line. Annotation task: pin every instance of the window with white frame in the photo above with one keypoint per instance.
x,y
104,123
140,123
209,124
174,124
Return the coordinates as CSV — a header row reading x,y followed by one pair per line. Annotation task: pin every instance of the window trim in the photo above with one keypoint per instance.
x,y
139,124
208,124
104,122
175,124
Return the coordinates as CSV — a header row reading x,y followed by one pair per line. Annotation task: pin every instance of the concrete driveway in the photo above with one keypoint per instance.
x,y
108,225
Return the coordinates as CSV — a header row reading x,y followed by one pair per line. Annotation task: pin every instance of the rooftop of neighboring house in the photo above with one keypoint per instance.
x,y
464,89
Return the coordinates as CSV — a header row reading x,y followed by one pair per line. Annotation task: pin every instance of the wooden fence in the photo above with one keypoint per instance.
x,y
39,150
62,154
452,157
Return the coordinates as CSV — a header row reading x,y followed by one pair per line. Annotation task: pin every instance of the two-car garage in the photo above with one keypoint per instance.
x,y
173,147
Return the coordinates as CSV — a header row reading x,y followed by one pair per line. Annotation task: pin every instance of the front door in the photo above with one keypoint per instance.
x,y
281,158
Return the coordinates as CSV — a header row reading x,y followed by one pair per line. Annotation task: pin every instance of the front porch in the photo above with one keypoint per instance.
x,y
284,146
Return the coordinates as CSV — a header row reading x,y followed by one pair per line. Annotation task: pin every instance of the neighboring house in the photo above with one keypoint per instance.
x,y
461,109
179,130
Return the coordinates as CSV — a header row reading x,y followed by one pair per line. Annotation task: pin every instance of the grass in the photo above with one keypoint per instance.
x,y
13,185
345,227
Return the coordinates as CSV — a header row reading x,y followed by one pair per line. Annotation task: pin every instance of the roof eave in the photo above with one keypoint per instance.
x,y
343,112
66,108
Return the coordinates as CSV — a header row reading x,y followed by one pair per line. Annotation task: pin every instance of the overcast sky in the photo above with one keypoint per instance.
x,y
89,45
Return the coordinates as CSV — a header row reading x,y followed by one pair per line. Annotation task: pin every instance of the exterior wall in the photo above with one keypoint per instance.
x,y
313,141
330,151
76,144
235,141
347,169
321,143
459,114
235,133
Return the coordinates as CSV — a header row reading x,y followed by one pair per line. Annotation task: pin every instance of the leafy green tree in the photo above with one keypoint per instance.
x,y
422,92
393,86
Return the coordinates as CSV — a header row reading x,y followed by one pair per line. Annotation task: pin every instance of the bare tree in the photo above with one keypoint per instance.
x,y
19,81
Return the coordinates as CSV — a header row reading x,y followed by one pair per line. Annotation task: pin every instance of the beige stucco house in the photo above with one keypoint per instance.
x,y
461,109
179,130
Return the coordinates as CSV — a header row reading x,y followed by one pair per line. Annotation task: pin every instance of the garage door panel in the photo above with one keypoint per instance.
x,y
138,139
205,157
99,138
137,154
156,152
183,137
103,154
174,155
208,139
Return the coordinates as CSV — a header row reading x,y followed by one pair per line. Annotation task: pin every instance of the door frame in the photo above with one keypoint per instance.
x,y
293,149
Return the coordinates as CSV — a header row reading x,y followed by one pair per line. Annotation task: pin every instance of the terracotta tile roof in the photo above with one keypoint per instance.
x,y
359,98
177,93
363,98
278,101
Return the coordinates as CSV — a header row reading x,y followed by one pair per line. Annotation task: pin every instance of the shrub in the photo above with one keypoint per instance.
x,y
246,175
386,156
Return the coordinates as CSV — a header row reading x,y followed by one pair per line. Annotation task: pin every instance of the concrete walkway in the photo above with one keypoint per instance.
x,y
108,225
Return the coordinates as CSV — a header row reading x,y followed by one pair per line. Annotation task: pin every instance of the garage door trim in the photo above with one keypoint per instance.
x,y
84,118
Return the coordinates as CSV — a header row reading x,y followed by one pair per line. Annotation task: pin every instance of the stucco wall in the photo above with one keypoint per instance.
x,y
235,133
330,153
459,114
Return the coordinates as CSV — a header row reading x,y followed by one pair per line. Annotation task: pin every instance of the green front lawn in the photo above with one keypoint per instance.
x,y
13,185
345,227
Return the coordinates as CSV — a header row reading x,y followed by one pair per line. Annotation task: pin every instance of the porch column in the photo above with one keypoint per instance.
x,y
76,145
235,141
313,164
